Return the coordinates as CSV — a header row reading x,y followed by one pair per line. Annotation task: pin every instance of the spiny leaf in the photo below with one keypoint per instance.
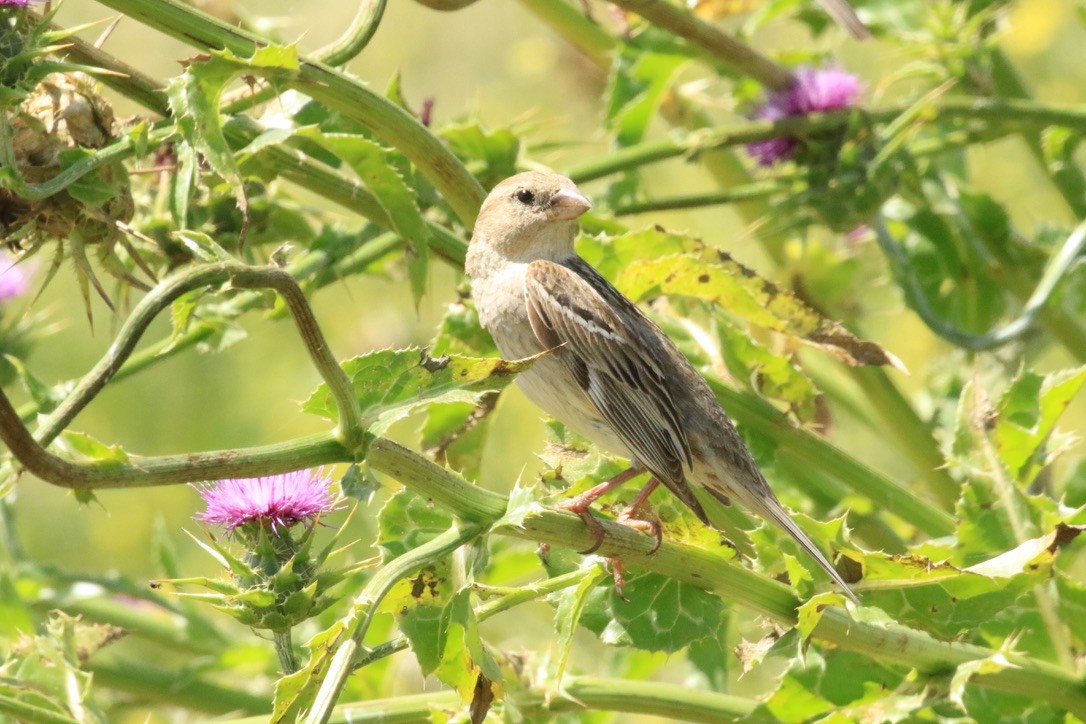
x,y
86,446
1028,413
390,384
567,614
407,521
372,163
662,614
714,277
295,692
490,155
194,98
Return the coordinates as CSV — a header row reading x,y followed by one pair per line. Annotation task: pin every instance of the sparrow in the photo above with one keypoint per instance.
x,y
611,375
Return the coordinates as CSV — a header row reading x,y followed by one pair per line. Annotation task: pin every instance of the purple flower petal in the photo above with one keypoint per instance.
x,y
281,500
14,276
815,89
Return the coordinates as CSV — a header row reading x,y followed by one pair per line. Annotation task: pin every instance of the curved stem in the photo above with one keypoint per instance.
x,y
1058,267
356,622
1006,111
119,150
711,41
687,563
356,37
350,423
334,89
755,190
338,52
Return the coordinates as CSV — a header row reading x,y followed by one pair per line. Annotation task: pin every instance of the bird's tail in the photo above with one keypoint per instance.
x,y
768,507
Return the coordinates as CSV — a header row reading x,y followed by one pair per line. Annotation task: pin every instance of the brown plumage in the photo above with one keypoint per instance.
x,y
613,375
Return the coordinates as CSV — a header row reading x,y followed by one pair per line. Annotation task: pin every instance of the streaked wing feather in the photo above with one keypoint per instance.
x,y
616,360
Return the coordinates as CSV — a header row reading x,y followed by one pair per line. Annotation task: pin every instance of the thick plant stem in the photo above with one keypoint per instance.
x,y
170,289
710,40
577,694
682,562
174,688
284,648
336,90
356,623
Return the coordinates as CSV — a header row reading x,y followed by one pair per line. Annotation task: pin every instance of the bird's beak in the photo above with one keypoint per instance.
x,y
568,204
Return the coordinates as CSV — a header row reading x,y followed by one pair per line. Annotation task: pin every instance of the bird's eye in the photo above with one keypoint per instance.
x,y
524,196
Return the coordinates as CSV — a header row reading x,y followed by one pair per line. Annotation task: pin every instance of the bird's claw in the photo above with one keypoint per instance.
x,y
651,527
580,507
618,572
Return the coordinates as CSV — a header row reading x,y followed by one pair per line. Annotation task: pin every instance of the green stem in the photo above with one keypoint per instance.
x,y
356,37
909,431
1037,680
356,622
174,688
681,562
1011,112
711,41
755,190
577,695
117,151
338,52
529,592
334,89
350,422
284,648
1056,270
806,448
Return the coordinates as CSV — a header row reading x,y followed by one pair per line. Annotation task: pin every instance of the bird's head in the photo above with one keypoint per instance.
x,y
532,215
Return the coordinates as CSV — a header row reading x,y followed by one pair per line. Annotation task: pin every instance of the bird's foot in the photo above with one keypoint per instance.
x,y
580,506
630,519
633,518
618,572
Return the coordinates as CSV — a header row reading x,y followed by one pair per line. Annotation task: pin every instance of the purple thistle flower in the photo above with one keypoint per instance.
x,y
281,500
815,89
16,3
14,276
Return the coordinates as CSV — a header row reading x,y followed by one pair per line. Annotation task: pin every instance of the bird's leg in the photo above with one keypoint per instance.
x,y
581,504
631,516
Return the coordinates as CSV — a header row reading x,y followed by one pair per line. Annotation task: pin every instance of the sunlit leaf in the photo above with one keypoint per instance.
x,y
390,384
375,168
1028,413
194,98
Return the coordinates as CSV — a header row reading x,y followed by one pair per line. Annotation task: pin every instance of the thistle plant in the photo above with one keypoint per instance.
x,y
730,150
279,581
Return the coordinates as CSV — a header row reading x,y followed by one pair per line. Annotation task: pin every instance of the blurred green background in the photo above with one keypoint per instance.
x,y
496,62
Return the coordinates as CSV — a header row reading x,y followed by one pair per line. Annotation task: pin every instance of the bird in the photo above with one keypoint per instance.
x,y
611,374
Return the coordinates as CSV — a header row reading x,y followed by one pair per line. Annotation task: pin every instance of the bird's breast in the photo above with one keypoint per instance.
x,y
500,300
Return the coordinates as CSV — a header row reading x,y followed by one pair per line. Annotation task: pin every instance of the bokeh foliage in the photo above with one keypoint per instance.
x,y
263,174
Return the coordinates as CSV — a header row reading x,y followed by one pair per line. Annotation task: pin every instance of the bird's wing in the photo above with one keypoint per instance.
x,y
619,359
